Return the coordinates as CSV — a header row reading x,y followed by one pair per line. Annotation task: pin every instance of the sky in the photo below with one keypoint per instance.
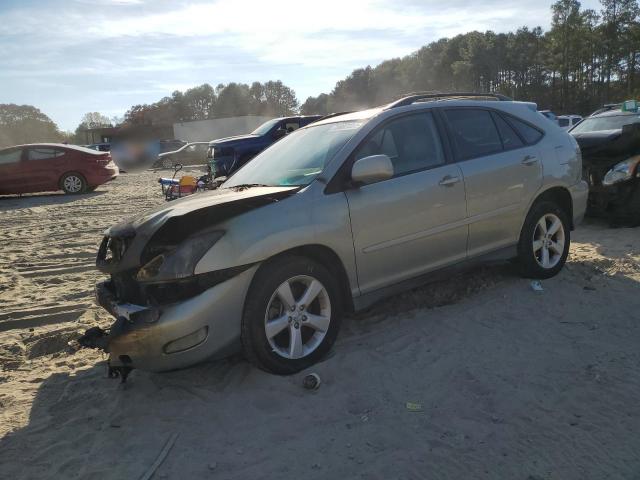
x,y
69,57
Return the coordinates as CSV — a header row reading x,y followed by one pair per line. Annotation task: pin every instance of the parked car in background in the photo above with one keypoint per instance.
x,y
191,153
228,154
567,122
549,115
170,145
101,147
43,167
610,144
332,218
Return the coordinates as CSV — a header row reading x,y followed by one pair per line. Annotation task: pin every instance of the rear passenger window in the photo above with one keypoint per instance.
x,y
510,138
43,153
530,134
12,156
411,142
474,132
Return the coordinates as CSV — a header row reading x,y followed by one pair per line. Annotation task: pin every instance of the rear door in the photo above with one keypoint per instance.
x,y
11,178
502,171
415,221
45,166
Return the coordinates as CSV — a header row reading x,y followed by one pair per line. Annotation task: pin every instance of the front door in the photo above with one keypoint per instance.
x,y
415,221
502,171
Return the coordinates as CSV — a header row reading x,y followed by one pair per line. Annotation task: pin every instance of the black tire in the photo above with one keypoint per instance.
x,y
268,279
528,259
73,183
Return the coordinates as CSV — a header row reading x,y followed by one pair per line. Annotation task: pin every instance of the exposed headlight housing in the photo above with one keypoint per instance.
x,y
622,171
181,261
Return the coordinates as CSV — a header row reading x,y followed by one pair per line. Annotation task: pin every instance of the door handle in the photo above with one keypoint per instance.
x,y
448,181
529,160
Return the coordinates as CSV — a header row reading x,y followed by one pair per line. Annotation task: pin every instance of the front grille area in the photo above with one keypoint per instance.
x,y
127,289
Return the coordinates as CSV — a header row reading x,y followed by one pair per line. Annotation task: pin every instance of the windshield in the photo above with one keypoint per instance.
x,y
597,124
296,159
265,127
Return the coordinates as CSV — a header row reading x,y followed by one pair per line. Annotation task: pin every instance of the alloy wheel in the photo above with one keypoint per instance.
x,y
298,316
72,184
548,241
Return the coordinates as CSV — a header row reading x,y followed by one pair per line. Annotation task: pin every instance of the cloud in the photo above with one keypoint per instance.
x,y
72,56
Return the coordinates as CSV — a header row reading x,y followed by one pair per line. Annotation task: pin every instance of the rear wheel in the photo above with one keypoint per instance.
x,y
73,183
292,315
544,241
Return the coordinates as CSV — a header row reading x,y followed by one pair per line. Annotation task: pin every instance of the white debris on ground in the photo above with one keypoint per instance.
x,y
474,376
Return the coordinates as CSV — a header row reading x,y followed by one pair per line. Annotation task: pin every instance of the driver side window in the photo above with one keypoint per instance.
x,y
411,142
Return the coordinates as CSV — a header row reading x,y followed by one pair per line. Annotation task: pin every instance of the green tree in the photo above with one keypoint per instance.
x,y
20,124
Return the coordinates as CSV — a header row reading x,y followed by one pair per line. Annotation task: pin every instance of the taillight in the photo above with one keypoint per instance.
x,y
103,159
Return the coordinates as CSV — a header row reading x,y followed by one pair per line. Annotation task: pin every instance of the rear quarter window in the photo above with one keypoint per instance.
x,y
510,138
44,153
529,133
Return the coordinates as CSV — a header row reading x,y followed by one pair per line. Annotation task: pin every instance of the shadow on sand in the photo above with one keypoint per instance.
x,y
510,384
15,202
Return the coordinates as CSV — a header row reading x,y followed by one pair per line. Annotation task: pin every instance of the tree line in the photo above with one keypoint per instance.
x,y
272,98
587,58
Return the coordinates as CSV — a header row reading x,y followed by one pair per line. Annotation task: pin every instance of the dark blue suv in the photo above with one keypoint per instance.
x,y
226,155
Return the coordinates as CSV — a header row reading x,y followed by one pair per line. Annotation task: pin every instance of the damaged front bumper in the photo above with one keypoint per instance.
x,y
167,337
607,199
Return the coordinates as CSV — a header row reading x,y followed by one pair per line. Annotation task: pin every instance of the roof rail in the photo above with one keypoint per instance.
x,y
606,107
417,97
331,115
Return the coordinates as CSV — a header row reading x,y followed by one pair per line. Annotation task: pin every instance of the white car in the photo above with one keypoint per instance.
x,y
567,122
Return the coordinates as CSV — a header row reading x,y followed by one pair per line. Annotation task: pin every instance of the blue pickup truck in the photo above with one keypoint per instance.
x,y
226,155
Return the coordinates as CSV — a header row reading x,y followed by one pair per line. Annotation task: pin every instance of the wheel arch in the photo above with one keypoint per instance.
x,y
559,195
326,257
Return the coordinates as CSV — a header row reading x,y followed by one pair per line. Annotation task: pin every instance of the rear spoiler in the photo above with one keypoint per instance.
x,y
530,105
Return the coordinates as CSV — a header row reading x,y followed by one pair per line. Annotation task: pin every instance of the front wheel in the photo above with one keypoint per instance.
x,y
292,315
167,163
544,241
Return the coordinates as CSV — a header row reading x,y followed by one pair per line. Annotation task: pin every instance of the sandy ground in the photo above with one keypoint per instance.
x,y
508,382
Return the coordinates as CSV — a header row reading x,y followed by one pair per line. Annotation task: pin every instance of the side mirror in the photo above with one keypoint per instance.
x,y
374,168
279,133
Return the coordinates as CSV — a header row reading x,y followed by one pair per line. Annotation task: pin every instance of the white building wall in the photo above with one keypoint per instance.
x,y
207,130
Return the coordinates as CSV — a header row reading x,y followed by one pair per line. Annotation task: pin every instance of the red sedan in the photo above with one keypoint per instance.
x,y
44,167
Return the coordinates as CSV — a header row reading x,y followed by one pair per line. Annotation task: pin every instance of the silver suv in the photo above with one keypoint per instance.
x,y
329,220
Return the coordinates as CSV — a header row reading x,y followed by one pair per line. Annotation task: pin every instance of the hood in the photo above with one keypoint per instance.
x,y
208,201
607,147
231,141
596,139
171,223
